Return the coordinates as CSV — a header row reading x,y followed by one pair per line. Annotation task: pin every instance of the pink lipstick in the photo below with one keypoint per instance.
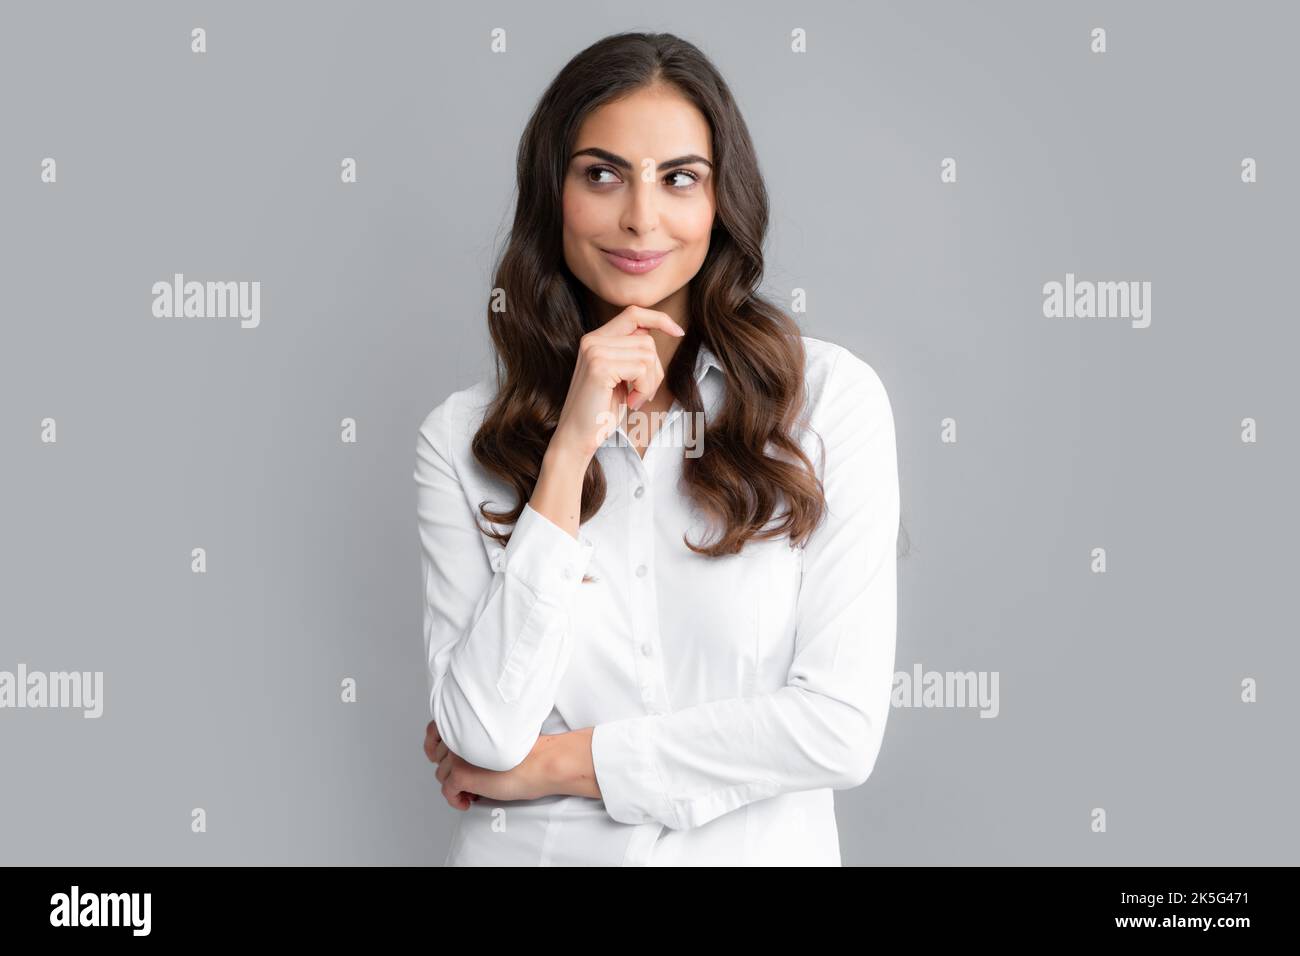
x,y
635,261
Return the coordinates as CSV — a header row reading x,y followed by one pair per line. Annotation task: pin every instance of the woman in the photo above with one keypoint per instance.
x,y
659,549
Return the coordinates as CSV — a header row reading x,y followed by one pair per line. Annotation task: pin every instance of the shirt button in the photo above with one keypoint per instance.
x,y
647,694
646,649
640,490
640,570
566,572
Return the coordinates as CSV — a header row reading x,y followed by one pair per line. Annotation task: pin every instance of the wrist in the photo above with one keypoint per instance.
x,y
564,763
564,466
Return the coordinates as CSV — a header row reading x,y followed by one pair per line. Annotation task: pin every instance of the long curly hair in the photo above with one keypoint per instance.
x,y
750,459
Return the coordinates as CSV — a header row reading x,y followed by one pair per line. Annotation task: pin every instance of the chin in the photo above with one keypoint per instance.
x,y
632,293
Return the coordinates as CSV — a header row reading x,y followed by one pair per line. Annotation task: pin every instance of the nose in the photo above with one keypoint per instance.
x,y
641,214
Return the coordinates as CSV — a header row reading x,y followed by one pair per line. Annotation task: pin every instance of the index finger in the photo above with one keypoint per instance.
x,y
430,747
635,317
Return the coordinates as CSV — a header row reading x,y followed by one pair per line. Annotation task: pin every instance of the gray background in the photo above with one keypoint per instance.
x,y
222,690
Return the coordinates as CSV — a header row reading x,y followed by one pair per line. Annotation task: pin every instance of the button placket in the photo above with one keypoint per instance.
x,y
651,458
645,604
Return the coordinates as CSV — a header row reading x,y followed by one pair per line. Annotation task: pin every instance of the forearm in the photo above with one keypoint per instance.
x,y
558,492
564,763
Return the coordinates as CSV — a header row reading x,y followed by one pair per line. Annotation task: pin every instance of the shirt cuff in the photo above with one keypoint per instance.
x,y
546,557
550,563
622,755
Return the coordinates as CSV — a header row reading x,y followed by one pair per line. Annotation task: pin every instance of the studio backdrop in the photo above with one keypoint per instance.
x,y
1063,235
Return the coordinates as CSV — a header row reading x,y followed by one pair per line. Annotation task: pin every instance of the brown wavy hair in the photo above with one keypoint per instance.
x,y
734,481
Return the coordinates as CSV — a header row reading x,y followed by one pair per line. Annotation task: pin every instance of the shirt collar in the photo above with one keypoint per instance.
x,y
705,360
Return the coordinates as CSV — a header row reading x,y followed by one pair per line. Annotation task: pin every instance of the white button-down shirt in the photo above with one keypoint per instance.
x,y
730,696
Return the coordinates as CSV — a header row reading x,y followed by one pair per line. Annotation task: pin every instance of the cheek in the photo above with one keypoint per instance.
x,y
693,229
582,218
578,229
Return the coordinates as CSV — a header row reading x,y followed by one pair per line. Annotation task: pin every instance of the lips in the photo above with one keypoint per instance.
x,y
638,253
635,261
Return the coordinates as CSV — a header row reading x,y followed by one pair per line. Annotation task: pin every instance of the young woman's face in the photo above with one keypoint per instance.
x,y
639,180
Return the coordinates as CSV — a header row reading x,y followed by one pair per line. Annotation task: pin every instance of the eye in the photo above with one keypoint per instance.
x,y
598,170
693,179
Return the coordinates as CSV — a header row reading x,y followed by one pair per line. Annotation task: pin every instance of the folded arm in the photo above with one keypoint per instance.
x,y
494,631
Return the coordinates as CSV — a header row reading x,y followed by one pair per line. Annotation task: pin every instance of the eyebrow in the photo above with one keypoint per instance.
x,y
622,163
